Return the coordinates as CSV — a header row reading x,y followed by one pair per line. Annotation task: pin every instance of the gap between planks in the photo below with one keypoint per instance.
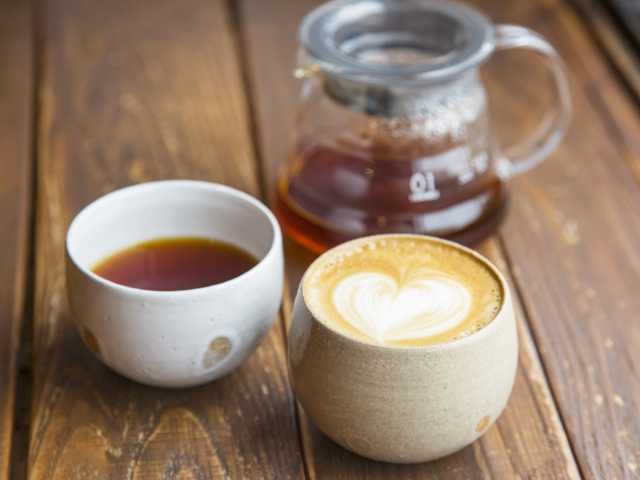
x,y
23,413
531,342
613,44
18,51
235,14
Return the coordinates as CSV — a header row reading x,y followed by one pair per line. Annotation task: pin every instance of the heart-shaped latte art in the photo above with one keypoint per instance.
x,y
377,306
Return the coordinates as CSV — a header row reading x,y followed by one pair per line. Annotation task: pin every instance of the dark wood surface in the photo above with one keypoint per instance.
x,y
131,93
121,92
618,50
530,423
628,14
575,215
16,105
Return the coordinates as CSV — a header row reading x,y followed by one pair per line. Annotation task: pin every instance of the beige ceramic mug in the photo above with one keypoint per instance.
x,y
403,404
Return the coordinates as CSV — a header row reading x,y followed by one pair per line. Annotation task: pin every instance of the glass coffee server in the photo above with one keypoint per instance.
x,y
393,132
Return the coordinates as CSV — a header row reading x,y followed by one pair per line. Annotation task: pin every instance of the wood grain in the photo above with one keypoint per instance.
x,y
16,104
133,92
617,48
528,440
572,239
628,11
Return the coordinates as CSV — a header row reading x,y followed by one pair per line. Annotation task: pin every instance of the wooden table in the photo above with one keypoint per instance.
x,y
95,95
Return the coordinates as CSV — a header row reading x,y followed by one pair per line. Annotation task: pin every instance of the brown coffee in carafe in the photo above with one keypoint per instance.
x,y
335,193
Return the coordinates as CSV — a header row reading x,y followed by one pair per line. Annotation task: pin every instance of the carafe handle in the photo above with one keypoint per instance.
x,y
519,158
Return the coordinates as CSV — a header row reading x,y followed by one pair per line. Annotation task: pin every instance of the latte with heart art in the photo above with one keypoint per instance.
x,y
402,290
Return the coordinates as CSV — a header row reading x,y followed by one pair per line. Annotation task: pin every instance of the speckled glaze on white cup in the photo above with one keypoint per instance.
x,y
403,404
179,338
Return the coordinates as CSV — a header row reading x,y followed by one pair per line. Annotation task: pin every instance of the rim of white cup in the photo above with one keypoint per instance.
x,y
457,343
241,196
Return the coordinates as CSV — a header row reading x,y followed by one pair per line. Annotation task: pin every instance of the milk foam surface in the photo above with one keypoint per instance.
x,y
402,290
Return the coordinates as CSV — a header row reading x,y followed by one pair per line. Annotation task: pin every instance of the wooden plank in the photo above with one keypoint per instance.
x,y
16,100
618,50
628,12
528,440
134,92
572,241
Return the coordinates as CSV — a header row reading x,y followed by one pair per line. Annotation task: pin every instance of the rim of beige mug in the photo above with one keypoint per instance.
x,y
459,343
159,185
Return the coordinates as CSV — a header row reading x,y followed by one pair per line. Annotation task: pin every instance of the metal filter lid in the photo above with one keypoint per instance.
x,y
379,55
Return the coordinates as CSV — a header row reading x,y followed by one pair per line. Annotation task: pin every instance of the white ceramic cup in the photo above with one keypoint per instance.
x,y
177,338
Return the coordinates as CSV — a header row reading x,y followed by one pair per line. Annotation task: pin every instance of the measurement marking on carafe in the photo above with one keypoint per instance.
x,y
480,162
466,176
478,165
423,187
